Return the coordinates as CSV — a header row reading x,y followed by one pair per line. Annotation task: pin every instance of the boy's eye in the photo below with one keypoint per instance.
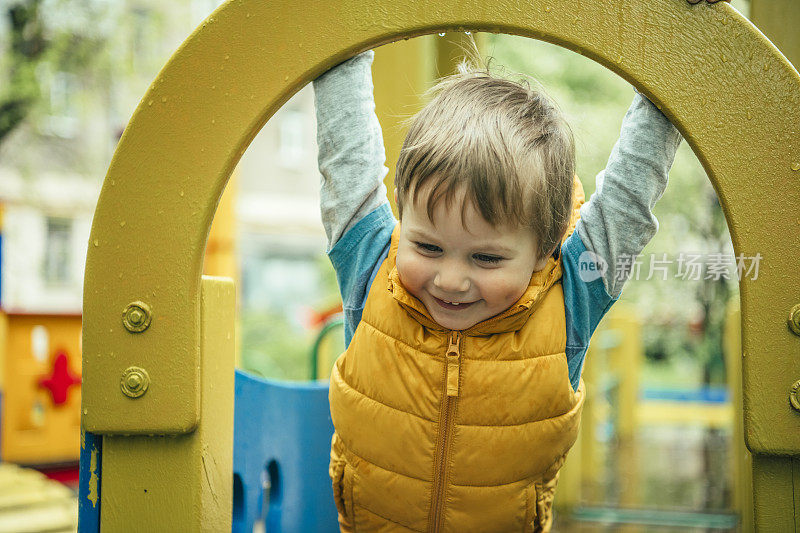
x,y
431,248
483,258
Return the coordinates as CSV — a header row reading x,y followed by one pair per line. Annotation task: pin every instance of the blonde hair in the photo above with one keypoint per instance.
x,y
505,144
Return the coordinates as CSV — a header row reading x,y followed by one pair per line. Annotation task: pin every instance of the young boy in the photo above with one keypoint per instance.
x,y
467,322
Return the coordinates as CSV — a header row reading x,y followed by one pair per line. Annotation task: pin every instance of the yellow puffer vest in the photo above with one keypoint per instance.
x,y
453,431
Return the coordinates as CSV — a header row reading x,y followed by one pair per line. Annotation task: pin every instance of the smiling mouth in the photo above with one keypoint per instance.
x,y
455,306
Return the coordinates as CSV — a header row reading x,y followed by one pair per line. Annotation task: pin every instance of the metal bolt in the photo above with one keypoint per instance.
x,y
136,317
134,382
794,319
794,397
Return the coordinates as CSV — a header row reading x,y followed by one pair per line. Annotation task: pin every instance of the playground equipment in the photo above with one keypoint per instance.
x,y
40,331
620,407
158,357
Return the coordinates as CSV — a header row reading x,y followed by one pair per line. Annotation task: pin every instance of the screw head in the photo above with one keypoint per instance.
x,y
794,319
136,317
134,382
794,395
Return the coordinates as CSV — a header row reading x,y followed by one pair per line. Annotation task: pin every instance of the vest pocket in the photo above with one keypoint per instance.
x,y
539,517
531,509
342,477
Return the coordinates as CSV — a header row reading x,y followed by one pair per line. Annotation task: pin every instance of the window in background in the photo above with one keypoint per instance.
x,y
57,251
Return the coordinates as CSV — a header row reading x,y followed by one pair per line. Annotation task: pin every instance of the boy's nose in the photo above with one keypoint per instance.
x,y
451,280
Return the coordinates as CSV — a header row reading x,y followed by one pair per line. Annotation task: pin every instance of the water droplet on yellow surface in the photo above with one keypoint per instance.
x,y
121,223
164,99
227,57
213,121
749,115
150,102
181,193
286,78
96,242
547,9
795,166
724,58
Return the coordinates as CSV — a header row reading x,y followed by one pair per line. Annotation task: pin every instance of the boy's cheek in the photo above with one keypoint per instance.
x,y
509,289
410,272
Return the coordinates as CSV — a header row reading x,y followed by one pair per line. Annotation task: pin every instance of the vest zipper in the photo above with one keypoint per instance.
x,y
452,371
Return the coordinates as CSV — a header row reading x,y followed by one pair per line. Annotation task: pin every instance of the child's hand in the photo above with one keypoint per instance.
x,y
709,1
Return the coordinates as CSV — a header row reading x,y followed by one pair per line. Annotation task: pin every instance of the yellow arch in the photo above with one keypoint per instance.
x,y
731,93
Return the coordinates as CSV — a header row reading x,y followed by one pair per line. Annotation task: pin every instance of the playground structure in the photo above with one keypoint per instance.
x,y
40,325
158,384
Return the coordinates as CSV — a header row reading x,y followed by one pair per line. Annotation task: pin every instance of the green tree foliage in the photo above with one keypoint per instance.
x,y
38,37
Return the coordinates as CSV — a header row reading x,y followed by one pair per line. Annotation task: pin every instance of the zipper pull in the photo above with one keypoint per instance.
x,y
453,361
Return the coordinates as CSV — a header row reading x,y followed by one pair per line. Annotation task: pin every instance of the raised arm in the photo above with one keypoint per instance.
x,y
618,220
351,154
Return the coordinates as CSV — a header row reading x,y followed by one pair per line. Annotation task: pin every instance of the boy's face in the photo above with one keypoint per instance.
x,y
482,268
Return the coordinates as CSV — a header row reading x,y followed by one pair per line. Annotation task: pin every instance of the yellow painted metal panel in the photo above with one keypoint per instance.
x,y
183,482
401,72
772,494
659,413
778,19
741,460
36,430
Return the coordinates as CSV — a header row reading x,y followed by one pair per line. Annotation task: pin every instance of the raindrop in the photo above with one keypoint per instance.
x,y
547,9
96,242
795,166
121,223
